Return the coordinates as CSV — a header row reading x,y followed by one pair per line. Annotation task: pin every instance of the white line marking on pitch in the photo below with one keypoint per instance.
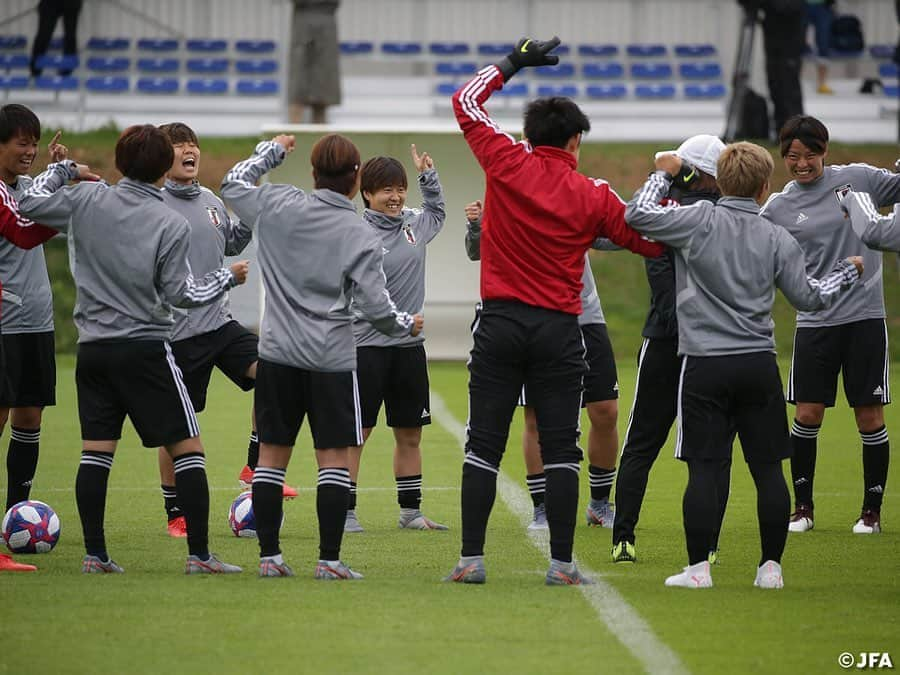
x,y
620,618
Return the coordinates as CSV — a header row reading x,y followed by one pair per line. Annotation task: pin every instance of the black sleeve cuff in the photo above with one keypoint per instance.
x,y
507,69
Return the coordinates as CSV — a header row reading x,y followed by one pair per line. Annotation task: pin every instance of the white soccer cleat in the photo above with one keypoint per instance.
x,y
768,575
869,523
351,524
693,576
801,519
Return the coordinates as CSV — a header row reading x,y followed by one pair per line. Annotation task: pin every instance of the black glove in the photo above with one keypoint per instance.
x,y
528,52
686,176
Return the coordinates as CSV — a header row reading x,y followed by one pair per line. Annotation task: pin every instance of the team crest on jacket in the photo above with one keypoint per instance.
x,y
408,233
213,213
842,190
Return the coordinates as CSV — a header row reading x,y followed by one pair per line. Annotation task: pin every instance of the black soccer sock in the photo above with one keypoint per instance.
x,y
90,494
332,497
21,463
876,456
561,501
170,496
803,461
253,450
409,491
351,504
723,489
537,484
700,508
479,489
601,481
193,498
773,509
268,483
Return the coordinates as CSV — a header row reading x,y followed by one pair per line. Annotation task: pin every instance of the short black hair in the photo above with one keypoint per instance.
x,y
335,163
144,153
179,132
808,130
16,119
553,121
381,172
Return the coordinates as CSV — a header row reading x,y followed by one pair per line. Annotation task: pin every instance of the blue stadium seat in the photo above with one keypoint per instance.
x,y
13,41
455,68
101,44
604,70
56,44
495,48
157,65
887,70
14,81
56,83
715,90
14,61
514,89
107,85
892,91
598,50
108,64
694,51
569,90
354,48
255,46
562,50
645,50
446,88
559,71
606,91
882,51
256,66
448,48
651,71
207,86
207,65
257,87
401,48
654,91
157,85
158,44
206,45
58,61
700,71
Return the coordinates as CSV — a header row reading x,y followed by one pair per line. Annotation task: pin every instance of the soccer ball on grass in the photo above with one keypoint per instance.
x,y
30,527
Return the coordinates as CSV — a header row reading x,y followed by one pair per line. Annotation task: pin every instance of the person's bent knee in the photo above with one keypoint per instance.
x,y
810,414
603,414
869,418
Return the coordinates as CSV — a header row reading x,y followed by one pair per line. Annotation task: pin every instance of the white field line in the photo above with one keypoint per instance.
x,y
238,488
619,617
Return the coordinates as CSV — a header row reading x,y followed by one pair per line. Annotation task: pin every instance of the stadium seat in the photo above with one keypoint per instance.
x,y
108,64
651,71
207,86
354,48
206,45
13,41
254,46
892,91
562,50
56,82
157,65
255,66
101,44
716,90
207,65
563,70
158,44
700,71
694,51
654,91
514,89
887,70
157,85
881,52
598,50
14,61
107,85
606,91
58,61
455,68
401,48
56,44
495,48
446,88
645,50
604,70
257,87
448,48
14,81
568,90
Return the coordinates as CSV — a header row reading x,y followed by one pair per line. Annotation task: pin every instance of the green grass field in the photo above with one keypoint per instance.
x,y
842,590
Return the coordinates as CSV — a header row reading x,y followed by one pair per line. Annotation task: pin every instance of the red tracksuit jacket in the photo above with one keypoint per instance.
x,y
540,214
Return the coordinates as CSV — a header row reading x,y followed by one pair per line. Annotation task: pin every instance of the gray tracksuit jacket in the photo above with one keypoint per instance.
x,y
403,241
27,300
875,230
213,236
316,255
812,214
728,261
128,253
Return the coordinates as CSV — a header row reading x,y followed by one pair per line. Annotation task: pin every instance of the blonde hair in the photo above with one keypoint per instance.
x,y
743,169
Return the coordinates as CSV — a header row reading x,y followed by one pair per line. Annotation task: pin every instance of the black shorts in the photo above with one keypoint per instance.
x,y
138,378
858,350
231,348
720,396
397,376
285,395
30,370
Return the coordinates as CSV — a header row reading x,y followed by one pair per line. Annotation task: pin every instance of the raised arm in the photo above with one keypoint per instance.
x,y
45,201
876,231
371,299
804,292
431,218
474,211
16,229
237,234
672,225
239,187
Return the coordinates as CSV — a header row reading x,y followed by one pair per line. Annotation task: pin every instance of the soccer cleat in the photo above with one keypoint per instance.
x,y
194,565
566,574
693,576
177,527
268,567
246,481
351,524
869,523
91,564
413,519
624,552
471,572
287,492
713,556
539,522
600,513
335,570
7,564
801,519
768,575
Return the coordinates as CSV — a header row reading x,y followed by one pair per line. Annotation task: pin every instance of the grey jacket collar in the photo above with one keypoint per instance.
x,y
335,199
138,186
747,204
182,191
382,220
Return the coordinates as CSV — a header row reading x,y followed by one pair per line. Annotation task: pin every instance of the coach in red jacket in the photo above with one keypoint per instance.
x,y
540,216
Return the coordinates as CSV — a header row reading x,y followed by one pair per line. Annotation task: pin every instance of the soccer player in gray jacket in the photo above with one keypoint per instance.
x,y
851,336
128,253
728,262
316,255
875,230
